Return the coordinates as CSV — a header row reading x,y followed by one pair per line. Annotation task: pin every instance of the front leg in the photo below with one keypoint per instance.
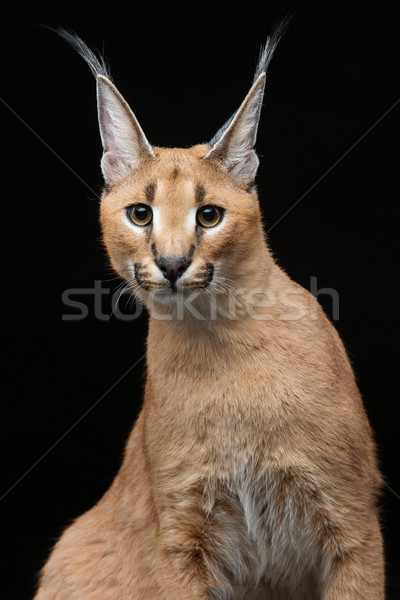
x,y
358,574
182,545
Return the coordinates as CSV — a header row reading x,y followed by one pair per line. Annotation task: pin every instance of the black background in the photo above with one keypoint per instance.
x,y
184,68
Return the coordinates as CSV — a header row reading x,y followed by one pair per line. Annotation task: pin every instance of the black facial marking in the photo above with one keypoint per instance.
x,y
208,274
154,251
150,192
199,193
209,268
107,187
149,231
251,187
140,276
191,250
199,233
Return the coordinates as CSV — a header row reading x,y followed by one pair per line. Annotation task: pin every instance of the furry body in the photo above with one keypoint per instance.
x,y
250,472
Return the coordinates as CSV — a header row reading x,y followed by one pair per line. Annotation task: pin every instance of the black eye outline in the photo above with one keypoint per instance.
x,y
130,211
213,223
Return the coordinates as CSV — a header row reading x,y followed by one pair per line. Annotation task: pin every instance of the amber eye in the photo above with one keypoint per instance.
x,y
140,214
209,216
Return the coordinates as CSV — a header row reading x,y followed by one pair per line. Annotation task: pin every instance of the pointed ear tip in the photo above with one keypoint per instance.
x,y
102,79
262,77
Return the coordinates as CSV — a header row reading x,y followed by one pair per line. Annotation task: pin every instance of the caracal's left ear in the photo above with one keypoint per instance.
x,y
233,146
234,149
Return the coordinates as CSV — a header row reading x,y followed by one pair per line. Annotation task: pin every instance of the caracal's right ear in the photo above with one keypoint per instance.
x,y
124,142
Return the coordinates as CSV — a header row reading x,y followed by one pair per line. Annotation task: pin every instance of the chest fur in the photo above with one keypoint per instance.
x,y
234,440
264,525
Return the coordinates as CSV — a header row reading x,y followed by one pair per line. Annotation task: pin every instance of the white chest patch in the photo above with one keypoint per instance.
x,y
266,547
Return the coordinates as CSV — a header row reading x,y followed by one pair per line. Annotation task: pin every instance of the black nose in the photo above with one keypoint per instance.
x,y
172,268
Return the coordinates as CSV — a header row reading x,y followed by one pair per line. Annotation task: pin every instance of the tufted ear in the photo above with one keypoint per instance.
x,y
124,142
234,149
233,144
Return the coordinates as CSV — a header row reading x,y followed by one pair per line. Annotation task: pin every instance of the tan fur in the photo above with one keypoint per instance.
x,y
251,471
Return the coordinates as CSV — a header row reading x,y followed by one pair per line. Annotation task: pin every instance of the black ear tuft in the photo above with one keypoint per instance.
x,y
124,142
233,144
267,52
265,57
96,62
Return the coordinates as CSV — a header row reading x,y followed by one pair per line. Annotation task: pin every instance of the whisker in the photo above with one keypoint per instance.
x,y
123,290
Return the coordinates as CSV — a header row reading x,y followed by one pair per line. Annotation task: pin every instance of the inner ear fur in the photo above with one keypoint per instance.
x,y
124,141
